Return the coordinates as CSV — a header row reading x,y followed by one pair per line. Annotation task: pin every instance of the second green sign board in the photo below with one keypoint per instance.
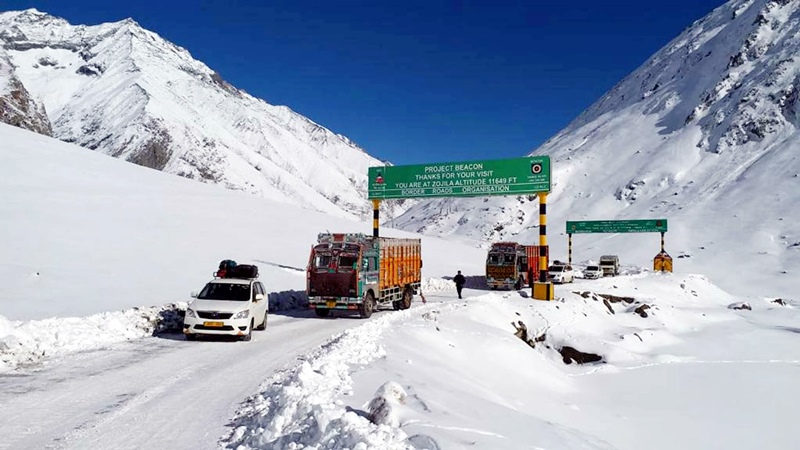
x,y
527,175
618,226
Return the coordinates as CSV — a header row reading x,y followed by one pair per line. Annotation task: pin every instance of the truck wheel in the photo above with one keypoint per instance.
x,y
397,305
367,306
408,295
322,312
518,284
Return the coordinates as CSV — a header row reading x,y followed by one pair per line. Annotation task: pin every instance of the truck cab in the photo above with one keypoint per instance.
x,y
507,266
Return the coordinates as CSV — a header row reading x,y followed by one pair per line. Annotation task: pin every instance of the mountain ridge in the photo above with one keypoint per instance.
x,y
122,90
703,133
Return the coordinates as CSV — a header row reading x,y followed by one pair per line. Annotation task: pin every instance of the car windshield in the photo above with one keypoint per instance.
x,y
225,291
592,268
556,268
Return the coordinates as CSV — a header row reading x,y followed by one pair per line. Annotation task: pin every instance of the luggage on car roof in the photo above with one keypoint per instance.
x,y
225,266
243,271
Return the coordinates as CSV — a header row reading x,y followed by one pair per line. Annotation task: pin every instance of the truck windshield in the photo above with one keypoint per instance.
x,y
347,263
501,259
322,260
225,291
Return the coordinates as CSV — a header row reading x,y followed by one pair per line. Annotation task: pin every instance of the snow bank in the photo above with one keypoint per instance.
x,y
26,343
300,408
431,285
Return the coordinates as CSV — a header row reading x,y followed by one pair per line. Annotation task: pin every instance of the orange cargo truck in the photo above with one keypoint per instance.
x,y
512,265
359,272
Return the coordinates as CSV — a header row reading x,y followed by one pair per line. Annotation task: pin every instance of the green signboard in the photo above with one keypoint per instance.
x,y
528,175
618,226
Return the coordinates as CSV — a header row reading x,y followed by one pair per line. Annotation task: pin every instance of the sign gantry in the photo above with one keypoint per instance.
x,y
515,176
662,261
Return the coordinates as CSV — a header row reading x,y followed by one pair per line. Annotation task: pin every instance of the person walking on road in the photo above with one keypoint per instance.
x,y
459,280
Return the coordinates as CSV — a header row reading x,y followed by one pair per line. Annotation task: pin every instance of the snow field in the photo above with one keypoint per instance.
x,y
466,378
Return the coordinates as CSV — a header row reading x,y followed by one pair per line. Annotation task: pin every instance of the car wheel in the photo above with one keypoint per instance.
x,y
322,312
263,325
191,336
367,306
408,295
249,334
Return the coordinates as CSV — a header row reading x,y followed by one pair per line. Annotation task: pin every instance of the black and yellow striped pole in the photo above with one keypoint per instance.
x,y
376,215
542,290
569,249
542,237
662,242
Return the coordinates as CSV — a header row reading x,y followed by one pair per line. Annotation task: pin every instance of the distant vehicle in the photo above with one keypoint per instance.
x,y
511,265
610,265
235,305
359,272
560,274
592,272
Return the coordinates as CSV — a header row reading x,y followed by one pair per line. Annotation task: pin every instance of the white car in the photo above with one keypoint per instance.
x,y
227,306
592,272
560,274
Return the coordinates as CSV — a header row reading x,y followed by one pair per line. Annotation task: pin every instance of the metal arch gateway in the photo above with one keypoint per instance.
x,y
661,262
515,176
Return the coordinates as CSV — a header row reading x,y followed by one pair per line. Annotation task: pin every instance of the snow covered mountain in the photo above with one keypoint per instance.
x,y
124,91
704,133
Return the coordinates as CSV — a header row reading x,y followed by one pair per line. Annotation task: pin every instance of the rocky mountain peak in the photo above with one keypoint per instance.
x,y
123,90
708,117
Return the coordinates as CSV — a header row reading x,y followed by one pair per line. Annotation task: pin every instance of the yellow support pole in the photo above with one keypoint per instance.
x,y
542,290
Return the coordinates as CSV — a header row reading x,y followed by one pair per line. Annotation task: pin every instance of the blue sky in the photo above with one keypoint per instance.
x,y
415,81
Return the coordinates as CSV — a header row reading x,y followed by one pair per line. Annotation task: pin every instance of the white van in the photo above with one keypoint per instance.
x,y
227,306
558,273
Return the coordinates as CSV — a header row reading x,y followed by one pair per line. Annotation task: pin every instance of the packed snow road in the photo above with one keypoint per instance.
x,y
160,392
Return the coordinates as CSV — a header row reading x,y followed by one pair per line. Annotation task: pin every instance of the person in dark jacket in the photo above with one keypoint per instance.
x,y
459,280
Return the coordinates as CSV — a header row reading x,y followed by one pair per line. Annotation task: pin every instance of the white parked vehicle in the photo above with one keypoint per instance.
x,y
592,272
560,274
227,306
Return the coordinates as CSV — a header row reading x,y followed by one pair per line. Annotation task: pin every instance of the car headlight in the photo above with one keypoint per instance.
x,y
190,313
242,314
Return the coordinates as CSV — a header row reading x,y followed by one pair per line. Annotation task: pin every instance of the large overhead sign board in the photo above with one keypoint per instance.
x,y
618,226
528,175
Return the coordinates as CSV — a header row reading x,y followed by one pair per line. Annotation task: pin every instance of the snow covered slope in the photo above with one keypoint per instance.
x,y
124,91
85,233
688,373
704,134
